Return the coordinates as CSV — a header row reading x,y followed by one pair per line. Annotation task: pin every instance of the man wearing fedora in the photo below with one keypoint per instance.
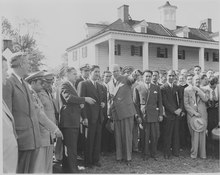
x,y
194,101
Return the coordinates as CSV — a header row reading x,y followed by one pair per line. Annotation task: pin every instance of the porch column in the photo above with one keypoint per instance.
x,y
175,57
145,56
96,55
111,53
201,58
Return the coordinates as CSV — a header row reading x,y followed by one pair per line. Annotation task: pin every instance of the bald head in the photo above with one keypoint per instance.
x,y
115,69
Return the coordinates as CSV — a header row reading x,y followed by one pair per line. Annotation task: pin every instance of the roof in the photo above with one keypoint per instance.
x,y
167,5
152,29
96,25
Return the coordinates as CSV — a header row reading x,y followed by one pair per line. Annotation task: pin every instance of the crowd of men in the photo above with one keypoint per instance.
x,y
124,110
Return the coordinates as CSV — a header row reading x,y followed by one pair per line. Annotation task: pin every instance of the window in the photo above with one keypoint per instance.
x,y
143,29
215,57
162,52
136,50
181,54
117,49
75,55
84,52
206,56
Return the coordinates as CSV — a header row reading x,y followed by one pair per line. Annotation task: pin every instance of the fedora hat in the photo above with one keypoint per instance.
x,y
198,124
216,133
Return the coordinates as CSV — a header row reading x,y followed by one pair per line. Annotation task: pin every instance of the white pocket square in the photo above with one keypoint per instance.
x,y
155,92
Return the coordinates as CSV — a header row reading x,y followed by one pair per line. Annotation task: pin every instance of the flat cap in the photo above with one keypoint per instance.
x,y
35,76
84,67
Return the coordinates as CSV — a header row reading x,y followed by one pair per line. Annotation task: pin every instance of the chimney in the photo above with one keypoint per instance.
x,y
206,25
123,13
168,16
7,44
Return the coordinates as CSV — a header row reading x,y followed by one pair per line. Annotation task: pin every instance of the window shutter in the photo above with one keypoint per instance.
x,y
141,51
132,50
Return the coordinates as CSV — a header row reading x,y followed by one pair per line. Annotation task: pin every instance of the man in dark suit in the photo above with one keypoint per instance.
x,y
93,116
147,98
173,104
70,120
123,112
84,70
108,140
17,96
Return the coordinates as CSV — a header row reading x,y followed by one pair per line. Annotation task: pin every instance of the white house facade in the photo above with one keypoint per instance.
x,y
147,45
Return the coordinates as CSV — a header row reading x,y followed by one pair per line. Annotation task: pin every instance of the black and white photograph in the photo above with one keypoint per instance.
x,y
110,86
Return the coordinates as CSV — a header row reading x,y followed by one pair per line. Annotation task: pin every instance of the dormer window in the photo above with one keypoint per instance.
x,y
143,29
183,32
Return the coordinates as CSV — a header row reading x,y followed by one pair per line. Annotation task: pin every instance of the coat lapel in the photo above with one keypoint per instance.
x,y
18,84
7,111
95,91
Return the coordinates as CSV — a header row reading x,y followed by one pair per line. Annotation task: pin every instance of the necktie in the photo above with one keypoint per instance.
x,y
196,95
95,84
24,86
214,95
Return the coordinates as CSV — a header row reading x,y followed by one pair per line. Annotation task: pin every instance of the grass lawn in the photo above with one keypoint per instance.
x,y
182,164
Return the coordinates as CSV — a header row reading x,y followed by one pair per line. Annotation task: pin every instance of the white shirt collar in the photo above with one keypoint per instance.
x,y
17,76
93,82
171,85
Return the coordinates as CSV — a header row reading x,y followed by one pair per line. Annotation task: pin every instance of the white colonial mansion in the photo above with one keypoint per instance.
x,y
144,44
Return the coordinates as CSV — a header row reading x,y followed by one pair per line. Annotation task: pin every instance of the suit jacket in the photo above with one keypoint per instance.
x,y
10,145
70,110
194,106
172,100
47,127
19,101
93,112
105,99
149,102
78,81
49,106
123,103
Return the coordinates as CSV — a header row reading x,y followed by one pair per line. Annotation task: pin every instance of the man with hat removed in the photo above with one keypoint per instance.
x,y
194,101
9,136
47,128
84,70
17,96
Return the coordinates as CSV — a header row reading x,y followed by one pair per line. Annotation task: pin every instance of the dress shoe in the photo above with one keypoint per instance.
x,y
176,155
128,162
145,158
98,164
166,156
154,157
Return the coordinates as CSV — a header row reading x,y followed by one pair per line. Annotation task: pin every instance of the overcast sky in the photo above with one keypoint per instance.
x,y
62,22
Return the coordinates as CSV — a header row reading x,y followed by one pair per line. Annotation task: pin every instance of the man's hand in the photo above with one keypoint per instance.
x,y
85,122
160,118
102,104
178,111
58,134
198,115
90,100
82,106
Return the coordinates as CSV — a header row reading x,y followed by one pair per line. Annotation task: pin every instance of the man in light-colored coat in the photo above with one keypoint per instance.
x,y
10,145
194,101
19,101
123,111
